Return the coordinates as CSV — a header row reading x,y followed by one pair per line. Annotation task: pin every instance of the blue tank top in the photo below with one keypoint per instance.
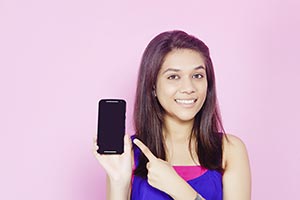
x,y
208,185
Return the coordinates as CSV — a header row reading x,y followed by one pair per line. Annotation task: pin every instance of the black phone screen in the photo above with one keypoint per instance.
x,y
111,126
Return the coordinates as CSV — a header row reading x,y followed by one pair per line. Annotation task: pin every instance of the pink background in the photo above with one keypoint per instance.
x,y
59,57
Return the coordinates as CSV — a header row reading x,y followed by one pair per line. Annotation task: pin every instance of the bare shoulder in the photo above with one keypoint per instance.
x,y
233,148
237,175
232,141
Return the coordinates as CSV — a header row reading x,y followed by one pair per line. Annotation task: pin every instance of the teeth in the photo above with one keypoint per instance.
x,y
183,101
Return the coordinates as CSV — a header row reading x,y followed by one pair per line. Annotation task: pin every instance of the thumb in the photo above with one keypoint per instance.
x,y
146,151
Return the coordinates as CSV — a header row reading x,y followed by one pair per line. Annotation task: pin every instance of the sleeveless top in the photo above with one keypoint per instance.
x,y
208,183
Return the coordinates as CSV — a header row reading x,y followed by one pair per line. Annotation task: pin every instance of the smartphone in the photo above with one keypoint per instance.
x,y
111,126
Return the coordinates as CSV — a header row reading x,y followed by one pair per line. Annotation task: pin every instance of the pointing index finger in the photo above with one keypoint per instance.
x,y
146,151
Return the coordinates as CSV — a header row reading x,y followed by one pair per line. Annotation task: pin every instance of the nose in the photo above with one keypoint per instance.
x,y
187,86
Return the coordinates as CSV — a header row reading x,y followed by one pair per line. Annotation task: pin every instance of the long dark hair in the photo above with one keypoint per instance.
x,y
148,113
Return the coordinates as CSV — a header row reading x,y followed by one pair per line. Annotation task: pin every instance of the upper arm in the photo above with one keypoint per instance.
x,y
237,176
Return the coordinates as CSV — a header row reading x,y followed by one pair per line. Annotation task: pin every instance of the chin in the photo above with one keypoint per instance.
x,y
185,119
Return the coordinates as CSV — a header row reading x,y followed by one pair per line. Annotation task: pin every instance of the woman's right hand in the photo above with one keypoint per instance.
x,y
117,167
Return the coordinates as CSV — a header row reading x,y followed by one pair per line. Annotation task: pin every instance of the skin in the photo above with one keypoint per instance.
x,y
181,90
182,78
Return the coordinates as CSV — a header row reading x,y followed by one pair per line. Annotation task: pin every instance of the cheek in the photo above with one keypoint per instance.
x,y
202,100
164,96
203,93
165,90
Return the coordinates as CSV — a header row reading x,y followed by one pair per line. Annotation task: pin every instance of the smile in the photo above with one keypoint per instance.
x,y
186,101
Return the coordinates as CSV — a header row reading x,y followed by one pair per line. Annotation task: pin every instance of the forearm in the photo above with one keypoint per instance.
x,y
117,190
183,191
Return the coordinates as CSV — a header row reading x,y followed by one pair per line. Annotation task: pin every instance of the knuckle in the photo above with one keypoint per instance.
x,y
148,166
150,180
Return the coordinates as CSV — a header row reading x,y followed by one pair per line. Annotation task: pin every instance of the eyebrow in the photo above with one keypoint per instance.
x,y
177,70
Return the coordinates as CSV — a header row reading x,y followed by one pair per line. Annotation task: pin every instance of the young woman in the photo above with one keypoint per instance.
x,y
180,150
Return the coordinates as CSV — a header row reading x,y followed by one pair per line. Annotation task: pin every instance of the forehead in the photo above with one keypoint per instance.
x,y
183,59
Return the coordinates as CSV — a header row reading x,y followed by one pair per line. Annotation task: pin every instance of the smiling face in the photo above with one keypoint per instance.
x,y
182,85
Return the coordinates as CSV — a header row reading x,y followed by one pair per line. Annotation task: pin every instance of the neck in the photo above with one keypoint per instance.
x,y
177,131
177,135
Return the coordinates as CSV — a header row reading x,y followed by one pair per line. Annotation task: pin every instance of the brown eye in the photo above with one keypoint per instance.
x,y
198,76
173,77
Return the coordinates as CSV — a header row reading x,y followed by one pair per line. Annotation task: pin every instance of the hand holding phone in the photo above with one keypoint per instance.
x,y
111,126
